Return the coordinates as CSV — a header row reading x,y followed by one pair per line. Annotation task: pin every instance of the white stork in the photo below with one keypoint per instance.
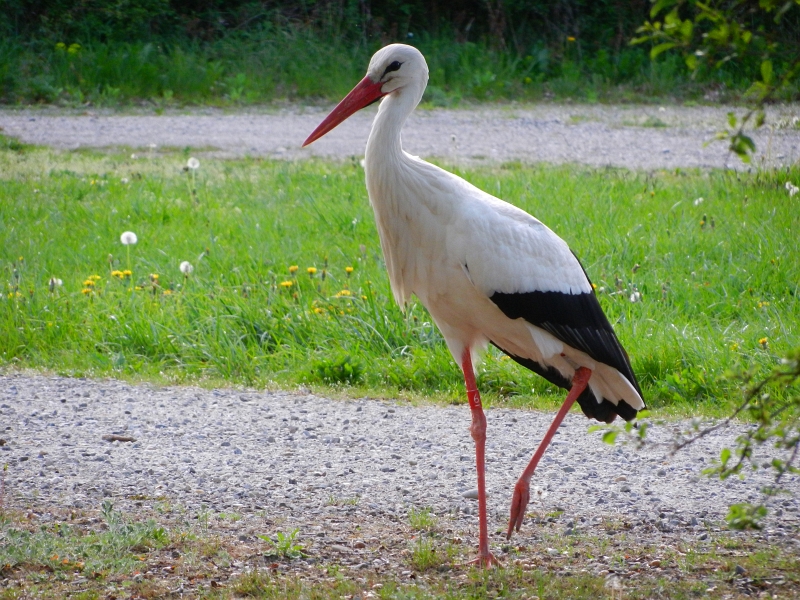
x,y
486,271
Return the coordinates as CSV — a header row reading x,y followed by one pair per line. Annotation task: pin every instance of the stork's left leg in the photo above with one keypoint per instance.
x,y
522,491
478,430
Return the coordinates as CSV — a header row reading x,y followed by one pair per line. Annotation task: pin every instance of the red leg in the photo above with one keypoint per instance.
x,y
522,490
478,431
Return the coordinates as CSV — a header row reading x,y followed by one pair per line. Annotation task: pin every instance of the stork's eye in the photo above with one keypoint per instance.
x,y
392,67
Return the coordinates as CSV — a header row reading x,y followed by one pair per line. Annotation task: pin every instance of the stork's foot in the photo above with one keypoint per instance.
x,y
487,561
522,494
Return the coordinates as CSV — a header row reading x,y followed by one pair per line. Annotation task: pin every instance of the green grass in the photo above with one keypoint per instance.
x,y
280,63
718,279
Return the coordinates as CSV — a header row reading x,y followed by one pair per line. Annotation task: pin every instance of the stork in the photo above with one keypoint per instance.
x,y
488,273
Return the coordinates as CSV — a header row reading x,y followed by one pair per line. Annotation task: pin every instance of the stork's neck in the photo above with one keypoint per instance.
x,y
384,145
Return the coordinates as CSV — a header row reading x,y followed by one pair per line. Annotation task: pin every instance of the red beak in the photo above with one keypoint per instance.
x,y
364,94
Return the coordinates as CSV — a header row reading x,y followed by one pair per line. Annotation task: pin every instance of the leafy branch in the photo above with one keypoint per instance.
x,y
720,32
772,405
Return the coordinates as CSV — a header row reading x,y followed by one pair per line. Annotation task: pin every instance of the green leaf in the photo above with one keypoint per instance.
x,y
731,119
661,48
659,6
760,118
766,71
691,62
609,437
725,456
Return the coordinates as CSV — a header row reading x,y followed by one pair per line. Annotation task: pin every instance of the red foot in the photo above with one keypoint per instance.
x,y
519,503
486,561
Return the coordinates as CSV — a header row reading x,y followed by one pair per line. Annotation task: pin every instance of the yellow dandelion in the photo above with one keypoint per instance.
x,y
138,288
570,38
348,270
167,292
363,297
734,347
86,291
293,269
95,277
88,283
319,310
311,270
118,274
594,286
127,272
153,276
287,284
764,342
344,293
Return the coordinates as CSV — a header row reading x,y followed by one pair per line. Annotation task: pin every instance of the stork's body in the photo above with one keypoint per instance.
x,y
487,271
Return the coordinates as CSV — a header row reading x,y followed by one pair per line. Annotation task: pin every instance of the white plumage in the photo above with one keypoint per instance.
x,y
487,271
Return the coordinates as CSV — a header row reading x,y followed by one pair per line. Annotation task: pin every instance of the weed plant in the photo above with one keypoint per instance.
x,y
697,271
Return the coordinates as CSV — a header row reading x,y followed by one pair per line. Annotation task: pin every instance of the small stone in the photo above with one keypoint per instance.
x,y
655,563
621,478
568,469
661,473
471,494
739,570
702,536
359,544
552,551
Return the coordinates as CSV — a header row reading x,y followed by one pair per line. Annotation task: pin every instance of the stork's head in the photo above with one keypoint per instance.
x,y
394,68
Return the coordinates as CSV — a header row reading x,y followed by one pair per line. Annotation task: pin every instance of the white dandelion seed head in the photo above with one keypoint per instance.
x,y
56,282
124,180
186,267
792,188
636,297
193,163
698,202
128,238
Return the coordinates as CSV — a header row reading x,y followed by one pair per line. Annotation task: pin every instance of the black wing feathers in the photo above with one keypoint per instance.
x,y
579,321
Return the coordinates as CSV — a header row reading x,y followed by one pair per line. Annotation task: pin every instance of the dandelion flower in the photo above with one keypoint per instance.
x,y
287,284
88,283
348,270
193,163
293,269
764,342
311,270
636,296
570,38
128,238
186,267
127,272
344,293
319,310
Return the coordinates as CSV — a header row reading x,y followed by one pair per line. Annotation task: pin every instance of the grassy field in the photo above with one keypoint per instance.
x,y
697,271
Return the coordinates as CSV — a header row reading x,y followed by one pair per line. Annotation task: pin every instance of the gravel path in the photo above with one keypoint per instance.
x,y
635,136
299,460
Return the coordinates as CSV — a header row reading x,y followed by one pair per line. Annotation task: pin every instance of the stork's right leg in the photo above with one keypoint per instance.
x,y
478,431
522,490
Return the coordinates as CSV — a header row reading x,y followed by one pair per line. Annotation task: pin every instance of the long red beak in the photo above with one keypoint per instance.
x,y
364,94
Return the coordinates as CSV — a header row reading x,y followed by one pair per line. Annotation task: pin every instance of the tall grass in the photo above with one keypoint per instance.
x,y
289,62
717,278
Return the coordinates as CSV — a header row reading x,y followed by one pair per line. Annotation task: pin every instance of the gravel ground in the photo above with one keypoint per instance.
x,y
292,459
632,136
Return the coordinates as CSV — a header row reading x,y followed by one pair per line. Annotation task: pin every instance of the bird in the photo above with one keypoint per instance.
x,y
487,272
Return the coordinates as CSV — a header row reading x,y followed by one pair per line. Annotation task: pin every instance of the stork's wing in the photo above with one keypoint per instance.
x,y
530,273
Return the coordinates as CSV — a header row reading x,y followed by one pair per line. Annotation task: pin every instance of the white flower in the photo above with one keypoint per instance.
x,y
635,296
793,189
698,202
186,267
124,180
128,238
193,163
